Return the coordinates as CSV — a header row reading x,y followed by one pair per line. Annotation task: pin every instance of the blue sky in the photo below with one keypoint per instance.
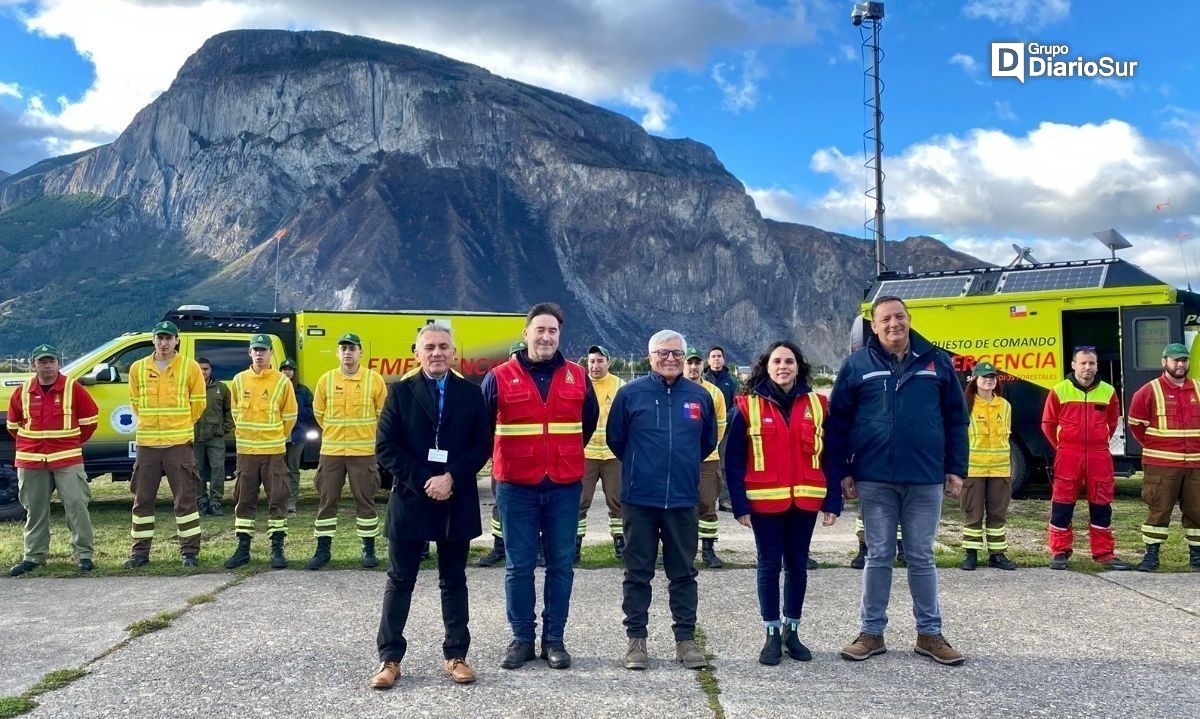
x,y
775,87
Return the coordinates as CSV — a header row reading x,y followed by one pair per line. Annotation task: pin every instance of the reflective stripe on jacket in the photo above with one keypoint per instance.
x,y
348,407
721,411
51,427
1165,419
606,390
991,425
168,403
536,439
783,462
264,410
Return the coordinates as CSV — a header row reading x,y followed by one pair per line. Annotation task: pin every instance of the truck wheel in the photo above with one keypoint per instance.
x,y
1022,470
10,504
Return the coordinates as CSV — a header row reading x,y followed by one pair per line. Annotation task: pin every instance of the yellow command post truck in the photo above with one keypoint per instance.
x,y
1026,321
309,337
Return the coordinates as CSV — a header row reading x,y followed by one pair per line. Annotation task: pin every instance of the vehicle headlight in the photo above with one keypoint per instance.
x,y
312,434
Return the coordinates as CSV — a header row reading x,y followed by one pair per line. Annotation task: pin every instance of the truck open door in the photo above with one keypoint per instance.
x,y
1145,330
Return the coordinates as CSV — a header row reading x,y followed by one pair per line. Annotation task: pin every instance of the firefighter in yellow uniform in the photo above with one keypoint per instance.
x,y
347,403
264,412
710,468
600,464
987,487
167,393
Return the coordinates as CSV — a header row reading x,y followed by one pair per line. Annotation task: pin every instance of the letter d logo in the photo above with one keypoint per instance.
x,y
1008,60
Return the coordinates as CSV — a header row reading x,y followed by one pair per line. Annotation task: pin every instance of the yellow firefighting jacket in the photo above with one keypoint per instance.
x,y
718,398
991,424
167,403
606,390
348,407
264,411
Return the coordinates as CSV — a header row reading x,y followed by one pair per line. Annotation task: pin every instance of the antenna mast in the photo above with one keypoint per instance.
x,y
871,13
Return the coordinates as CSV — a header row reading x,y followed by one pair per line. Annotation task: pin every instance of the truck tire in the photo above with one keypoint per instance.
x,y
1022,470
10,504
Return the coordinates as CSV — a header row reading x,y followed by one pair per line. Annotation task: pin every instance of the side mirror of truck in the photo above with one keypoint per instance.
x,y
102,374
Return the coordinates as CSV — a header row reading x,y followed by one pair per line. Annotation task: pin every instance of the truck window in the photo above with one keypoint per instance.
x,y
124,359
1150,335
228,357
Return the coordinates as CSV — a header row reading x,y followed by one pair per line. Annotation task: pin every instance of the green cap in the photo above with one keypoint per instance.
x,y
43,351
692,353
600,350
166,327
260,342
1175,351
516,347
350,339
288,364
983,369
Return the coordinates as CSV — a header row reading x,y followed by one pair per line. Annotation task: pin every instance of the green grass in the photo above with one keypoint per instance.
x,y
707,677
15,706
162,620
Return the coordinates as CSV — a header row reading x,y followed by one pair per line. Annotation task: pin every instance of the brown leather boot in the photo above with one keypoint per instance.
x,y
938,649
460,671
387,675
864,647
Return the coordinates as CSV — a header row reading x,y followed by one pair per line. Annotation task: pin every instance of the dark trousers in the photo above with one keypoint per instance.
x,y
782,541
178,464
405,561
644,527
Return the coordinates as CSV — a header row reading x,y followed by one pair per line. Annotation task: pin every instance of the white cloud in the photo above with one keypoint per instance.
x,y
1123,88
1031,14
1004,111
10,89
844,53
968,65
742,95
1052,187
598,51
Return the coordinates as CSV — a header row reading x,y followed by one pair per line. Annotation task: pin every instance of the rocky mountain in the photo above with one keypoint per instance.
x,y
405,179
4,174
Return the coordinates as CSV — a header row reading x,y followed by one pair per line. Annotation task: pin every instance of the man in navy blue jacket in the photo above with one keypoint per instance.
x,y
897,435
661,427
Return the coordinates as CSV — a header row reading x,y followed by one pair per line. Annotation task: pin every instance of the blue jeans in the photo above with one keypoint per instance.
x,y
525,512
917,508
782,541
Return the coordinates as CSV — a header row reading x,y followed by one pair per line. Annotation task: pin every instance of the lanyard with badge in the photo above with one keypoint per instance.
x,y
436,454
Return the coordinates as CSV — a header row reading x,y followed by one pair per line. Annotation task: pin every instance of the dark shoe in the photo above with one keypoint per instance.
x,y
424,552
1059,561
215,509
812,564
278,561
86,565
636,656
387,675
494,557
864,647
1116,564
321,556
1149,562
203,508
369,560
556,655
970,561
999,561
21,568
136,562
689,655
772,649
619,546
458,670
860,559
578,549
901,560
190,561
1194,558
241,555
938,649
517,654
292,510
792,644
709,553
724,506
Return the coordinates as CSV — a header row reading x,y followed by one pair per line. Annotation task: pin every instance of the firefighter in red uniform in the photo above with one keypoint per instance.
x,y
1080,416
51,417
1164,416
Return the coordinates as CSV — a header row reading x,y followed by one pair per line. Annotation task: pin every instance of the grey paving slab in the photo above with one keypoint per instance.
x,y
1039,643
50,624
1178,590
302,644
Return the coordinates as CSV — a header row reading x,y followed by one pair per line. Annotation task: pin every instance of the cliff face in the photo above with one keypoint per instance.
x,y
404,179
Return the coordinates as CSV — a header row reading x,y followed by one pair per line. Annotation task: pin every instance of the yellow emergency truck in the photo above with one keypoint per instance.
x,y
1027,319
308,337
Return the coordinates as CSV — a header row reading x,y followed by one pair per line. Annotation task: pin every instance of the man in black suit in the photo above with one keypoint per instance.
x,y
433,438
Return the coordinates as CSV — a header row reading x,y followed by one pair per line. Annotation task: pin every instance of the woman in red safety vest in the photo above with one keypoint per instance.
x,y
777,485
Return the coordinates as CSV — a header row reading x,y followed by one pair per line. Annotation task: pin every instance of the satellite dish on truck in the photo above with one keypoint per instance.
x,y
1024,254
1113,240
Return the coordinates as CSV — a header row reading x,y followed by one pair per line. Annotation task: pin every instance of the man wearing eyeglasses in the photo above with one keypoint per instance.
x,y
1080,416
544,411
661,429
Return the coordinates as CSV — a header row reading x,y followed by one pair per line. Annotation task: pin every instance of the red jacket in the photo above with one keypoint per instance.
x,y
535,439
51,427
1079,419
783,461
1165,419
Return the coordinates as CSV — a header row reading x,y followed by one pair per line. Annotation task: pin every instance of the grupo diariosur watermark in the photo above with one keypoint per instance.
x,y
1024,60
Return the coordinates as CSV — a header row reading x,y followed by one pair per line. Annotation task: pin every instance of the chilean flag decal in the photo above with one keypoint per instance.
x,y
691,410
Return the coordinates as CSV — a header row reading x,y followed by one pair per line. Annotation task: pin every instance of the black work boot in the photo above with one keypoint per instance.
x,y
494,557
1194,558
901,560
320,557
278,561
860,559
709,553
619,546
578,548
792,644
369,560
772,649
1149,562
241,555
970,561
999,561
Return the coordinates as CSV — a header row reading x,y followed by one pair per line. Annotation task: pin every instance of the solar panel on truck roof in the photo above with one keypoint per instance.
x,y
925,287
1056,278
